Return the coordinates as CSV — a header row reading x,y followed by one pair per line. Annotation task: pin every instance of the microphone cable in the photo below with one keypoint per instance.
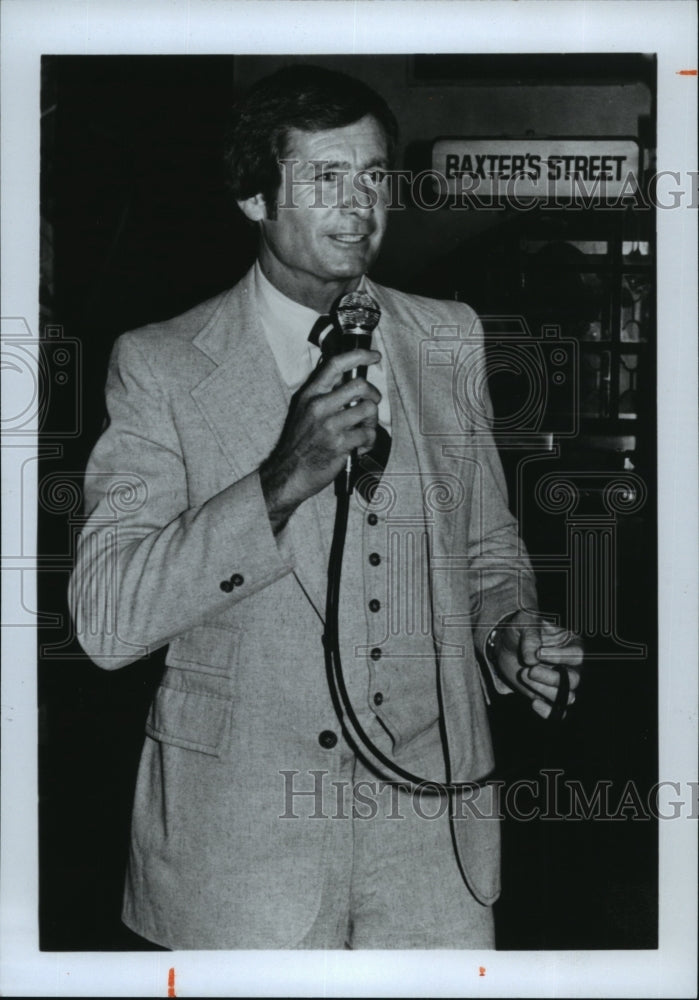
x,y
357,314
352,729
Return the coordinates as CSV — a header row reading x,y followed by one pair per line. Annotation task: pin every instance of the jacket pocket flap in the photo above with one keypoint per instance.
x,y
208,648
185,715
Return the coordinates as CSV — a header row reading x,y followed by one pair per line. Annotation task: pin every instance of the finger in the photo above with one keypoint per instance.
x,y
340,405
542,675
571,656
548,692
350,393
548,675
332,371
545,675
555,635
363,449
365,413
368,444
360,438
541,708
553,630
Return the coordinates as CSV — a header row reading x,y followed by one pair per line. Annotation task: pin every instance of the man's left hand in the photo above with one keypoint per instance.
x,y
527,653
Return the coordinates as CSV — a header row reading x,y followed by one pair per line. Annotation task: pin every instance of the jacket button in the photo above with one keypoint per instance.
x,y
237,580
372,519
378,698
376,653
374,558
327,739
226,586
374,605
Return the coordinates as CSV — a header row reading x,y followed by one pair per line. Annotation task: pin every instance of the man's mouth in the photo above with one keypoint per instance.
x,y
349,237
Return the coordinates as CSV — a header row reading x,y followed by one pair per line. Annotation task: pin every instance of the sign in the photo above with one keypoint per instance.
x,y
594,169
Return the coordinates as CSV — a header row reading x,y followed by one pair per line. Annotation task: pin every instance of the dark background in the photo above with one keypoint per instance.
x,y
137,226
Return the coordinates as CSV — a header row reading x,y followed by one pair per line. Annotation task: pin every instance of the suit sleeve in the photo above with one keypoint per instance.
x,y
148,566
503,581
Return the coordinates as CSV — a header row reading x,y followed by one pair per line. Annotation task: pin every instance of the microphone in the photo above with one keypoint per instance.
x,y
357,314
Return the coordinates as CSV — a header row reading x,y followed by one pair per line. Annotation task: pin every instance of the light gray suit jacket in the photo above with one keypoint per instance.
x,y
175,508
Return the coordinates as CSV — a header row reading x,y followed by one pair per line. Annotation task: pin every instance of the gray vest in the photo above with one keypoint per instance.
x,y
387,646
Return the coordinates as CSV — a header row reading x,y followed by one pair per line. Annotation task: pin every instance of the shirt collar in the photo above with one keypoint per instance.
x,y
286,325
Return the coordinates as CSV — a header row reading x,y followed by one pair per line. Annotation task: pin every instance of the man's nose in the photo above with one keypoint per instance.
x,y
357,199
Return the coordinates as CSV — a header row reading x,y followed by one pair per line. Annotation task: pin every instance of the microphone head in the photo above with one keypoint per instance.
x,y
357,313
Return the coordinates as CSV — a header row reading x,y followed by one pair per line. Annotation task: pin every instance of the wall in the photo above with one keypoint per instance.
x,y
417,238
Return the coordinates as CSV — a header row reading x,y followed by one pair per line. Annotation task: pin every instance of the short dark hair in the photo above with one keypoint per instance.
x,y
305,97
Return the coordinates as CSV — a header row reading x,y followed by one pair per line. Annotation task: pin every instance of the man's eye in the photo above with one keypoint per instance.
x,y
329,176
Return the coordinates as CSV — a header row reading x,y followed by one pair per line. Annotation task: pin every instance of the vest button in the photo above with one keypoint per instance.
x,y
374,558
374,605
327,739
376,653
226,586
378,698
372,519
237,580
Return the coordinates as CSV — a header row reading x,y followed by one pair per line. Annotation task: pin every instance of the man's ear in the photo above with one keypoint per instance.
x,y
254,208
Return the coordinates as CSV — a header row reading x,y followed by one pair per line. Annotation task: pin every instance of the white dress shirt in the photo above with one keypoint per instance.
x,y
286,325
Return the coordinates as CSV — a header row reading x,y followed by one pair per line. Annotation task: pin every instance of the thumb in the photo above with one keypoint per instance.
x,y
530,641
554,635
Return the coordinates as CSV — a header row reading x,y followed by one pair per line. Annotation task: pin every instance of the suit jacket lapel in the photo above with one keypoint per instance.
x,y
245,402
403,358
403,341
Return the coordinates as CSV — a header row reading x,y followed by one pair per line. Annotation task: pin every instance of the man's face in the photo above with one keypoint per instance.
x,y
328,229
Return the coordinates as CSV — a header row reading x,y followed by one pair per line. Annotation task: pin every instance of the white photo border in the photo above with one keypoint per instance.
x,y
32,28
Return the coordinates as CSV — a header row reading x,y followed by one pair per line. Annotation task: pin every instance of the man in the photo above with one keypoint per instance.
x,y
257,821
